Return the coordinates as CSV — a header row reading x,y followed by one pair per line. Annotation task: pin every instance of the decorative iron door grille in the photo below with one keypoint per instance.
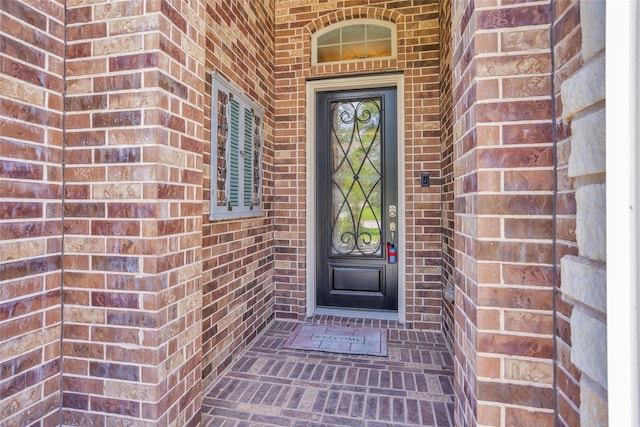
x,y
356,177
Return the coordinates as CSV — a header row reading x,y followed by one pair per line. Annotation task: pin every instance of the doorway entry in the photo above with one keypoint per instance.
x,y
317,210
357,200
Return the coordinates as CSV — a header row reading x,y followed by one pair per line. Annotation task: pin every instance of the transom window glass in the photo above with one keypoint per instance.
x,y
355,40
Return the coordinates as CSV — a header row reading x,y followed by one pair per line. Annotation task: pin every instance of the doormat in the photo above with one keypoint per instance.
x,y
338,339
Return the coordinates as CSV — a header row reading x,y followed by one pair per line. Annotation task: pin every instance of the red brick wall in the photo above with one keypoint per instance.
x,y
568,60
157,296
133,227
238,255
418,57
504,206
465,324
31,87
446,150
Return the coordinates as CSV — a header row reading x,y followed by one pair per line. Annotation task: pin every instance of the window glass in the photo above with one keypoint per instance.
x,y
329,54
354,51
376,32
353,33
355,41
332,37
378,49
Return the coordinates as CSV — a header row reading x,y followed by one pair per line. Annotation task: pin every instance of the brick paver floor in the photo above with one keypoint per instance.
x,y
272,386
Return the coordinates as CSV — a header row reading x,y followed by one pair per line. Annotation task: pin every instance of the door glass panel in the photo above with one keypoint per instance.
x,y
356,178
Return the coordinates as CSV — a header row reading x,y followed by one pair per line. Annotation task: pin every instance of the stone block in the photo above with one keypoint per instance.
x,y
588,144
589,345
585,282
592,20
591,221
530,371
585,88
594,410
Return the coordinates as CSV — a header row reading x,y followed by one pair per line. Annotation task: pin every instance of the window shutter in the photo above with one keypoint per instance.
x,y
236,153
257,161
247,153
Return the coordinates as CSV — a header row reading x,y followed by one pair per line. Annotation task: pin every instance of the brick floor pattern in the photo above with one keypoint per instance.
x,y
272,386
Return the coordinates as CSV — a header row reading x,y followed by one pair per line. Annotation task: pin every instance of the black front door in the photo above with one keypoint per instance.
x,y
356,202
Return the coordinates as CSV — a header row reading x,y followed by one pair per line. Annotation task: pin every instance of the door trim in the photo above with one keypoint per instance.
x,y
349,83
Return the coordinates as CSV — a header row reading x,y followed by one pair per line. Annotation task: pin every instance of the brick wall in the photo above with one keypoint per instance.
x,y
465,325
133,227
579,36
504,207
418,57
158,297
31,99
567,46
446,150
238,255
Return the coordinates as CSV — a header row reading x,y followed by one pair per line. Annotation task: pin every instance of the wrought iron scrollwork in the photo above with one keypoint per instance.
x,y
356,177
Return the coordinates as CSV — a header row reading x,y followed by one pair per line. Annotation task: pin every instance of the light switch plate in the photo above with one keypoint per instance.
x,y
425,179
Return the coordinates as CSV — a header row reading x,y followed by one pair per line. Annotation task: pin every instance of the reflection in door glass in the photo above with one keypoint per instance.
x,y
356,177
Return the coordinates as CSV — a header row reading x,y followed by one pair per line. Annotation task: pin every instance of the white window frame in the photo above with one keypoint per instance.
x,y
359,21
251,205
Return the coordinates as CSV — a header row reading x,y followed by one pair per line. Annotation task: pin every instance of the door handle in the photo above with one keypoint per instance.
x,y
393,212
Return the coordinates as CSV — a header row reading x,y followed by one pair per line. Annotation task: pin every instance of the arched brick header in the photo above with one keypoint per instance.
x,y
354,13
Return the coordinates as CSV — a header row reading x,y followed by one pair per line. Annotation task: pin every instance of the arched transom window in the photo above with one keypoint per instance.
x,y
354,40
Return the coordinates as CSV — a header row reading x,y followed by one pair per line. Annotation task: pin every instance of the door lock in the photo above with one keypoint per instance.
x,y
393,211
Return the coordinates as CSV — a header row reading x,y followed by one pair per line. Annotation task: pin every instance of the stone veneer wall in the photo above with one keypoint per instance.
x,y
238,255
579,32
504,207
418,58
446,149
133,213
31,105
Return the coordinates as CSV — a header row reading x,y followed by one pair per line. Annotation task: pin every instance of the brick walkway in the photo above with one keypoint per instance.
x,y
272,386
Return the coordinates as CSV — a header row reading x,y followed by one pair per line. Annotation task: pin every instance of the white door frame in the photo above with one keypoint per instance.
x,y
347,83
623,219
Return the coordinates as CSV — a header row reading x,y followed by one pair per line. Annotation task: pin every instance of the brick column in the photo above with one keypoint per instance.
x,y
504,201
133,300
31,86
583,379
446,148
